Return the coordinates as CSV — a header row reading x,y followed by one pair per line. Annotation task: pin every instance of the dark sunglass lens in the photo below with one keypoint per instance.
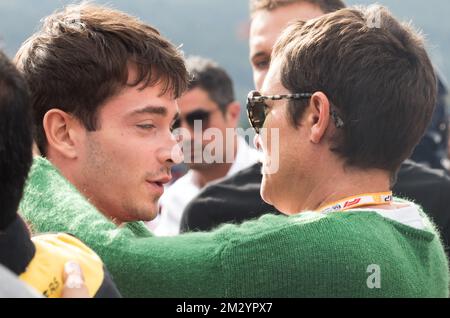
x,y
259,115
256,111
198,115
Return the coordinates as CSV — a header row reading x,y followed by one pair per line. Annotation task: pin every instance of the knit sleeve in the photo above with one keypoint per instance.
x,y
187,266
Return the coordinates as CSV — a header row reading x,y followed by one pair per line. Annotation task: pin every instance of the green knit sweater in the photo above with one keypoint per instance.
x,y
308,255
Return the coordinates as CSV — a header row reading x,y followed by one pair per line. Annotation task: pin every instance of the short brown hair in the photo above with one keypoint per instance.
x,y
213,79
81,57
380,79
326,6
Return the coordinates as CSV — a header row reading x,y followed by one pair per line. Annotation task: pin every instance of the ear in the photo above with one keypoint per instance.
x,y
318,117
62,131
233,113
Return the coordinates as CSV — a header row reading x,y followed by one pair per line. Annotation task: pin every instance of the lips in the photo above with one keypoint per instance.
x,y
158,185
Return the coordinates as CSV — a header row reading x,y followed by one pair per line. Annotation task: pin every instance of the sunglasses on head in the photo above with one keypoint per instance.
x,y
257,108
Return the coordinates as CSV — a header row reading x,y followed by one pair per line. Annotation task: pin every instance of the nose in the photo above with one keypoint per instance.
x,y
170,152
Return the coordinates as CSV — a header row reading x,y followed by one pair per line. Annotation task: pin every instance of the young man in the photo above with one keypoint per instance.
x,y
237,198
370,250
213,150
104,93
270,17
38,261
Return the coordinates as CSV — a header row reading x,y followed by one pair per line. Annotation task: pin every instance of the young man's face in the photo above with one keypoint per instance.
x,y
265,29
124,164
197,107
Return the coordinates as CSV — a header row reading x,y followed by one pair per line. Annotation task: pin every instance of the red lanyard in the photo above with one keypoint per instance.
x,y
357,201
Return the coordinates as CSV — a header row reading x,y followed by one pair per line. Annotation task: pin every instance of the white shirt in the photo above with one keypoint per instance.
x,y
180,194
408,215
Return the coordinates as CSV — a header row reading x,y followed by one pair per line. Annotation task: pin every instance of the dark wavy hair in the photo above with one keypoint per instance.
x,y
15,139
81,57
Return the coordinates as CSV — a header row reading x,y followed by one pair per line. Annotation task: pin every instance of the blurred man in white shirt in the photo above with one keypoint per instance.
x,y
212,148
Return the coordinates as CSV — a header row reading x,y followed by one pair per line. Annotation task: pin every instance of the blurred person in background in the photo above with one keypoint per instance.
x,y
210,104
433,148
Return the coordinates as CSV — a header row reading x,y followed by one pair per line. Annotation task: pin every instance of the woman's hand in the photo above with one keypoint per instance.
x,y
74,285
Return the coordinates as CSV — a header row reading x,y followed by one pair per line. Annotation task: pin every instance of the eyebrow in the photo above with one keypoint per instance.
x,y
153,110
259,54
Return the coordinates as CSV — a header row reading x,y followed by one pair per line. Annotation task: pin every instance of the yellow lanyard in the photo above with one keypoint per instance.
x,y
357,201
